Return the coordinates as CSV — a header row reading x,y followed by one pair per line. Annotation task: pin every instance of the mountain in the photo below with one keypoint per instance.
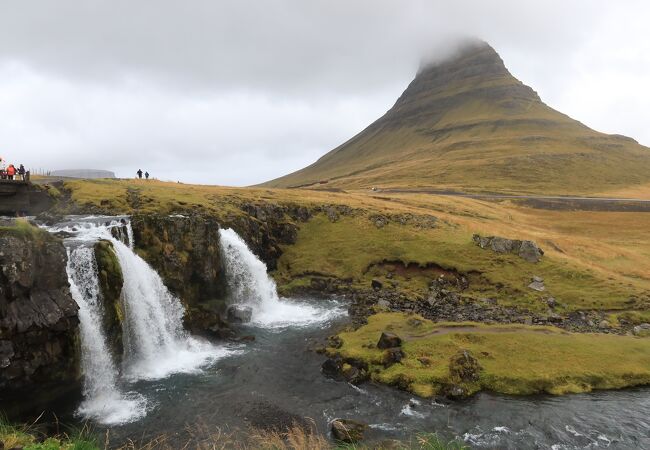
x,y
467,124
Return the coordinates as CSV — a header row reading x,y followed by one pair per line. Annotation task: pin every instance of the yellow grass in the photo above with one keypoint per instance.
x,y
593,259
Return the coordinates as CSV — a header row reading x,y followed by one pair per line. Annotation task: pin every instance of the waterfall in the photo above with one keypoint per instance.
x,y
250,285
103,400
129,235
155,342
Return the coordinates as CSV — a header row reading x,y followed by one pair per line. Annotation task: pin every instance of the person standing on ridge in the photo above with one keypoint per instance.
x,y
146,175
139,172
11,171
21,172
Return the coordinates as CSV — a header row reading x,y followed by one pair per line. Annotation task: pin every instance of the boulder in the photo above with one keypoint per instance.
x,y
389,340
604,325
331,368
463,367
642,330
353,374
527,250
537,284
503,245
239,314
383,304
347,430
376,285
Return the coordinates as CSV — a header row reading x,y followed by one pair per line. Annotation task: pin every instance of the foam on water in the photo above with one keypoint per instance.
x,y
250,285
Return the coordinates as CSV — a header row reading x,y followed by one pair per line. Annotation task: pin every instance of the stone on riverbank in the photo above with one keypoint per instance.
x,y
389,340
347,430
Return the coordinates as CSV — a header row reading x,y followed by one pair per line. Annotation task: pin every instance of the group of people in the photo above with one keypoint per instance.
x,y
10,172
146,174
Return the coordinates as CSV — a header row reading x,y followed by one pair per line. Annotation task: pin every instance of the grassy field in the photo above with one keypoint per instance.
x,y
561,362
593,260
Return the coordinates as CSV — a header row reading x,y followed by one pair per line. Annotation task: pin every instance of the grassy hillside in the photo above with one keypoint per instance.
x,y
468,124
593,259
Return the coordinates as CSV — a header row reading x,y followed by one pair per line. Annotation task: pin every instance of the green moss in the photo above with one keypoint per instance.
x,y
561,362
111,281
25,230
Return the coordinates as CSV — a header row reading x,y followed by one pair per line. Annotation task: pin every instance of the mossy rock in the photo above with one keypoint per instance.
x,y
111,281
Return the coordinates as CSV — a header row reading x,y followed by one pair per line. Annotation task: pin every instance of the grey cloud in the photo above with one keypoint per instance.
x,y
240,91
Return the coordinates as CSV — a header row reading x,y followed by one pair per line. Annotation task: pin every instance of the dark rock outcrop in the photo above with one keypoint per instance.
x,y
39,327
389,340
19,197
527,250
185,252
352,370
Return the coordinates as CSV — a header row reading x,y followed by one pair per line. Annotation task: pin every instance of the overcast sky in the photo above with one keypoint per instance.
x,y
238,92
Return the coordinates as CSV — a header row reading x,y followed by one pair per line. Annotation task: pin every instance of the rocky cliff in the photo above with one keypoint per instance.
x,y
185,252
39,328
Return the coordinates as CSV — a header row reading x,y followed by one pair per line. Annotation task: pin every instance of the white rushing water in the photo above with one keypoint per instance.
x,y
155,343
250,285
103,400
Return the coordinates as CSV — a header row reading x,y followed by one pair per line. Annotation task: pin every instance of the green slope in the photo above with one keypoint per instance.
x,y
468,124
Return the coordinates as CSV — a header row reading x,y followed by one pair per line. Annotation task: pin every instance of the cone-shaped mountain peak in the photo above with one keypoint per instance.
x,y
465,122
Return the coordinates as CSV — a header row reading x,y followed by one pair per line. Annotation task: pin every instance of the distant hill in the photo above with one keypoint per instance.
x,y
468,124
82,173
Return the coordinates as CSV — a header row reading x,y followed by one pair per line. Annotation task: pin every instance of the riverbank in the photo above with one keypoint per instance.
x,y
296,437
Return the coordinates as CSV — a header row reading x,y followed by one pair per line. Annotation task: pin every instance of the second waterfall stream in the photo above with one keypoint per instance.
x,y
250,285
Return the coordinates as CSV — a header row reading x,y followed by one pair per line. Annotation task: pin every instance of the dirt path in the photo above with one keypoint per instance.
x,y
554,202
